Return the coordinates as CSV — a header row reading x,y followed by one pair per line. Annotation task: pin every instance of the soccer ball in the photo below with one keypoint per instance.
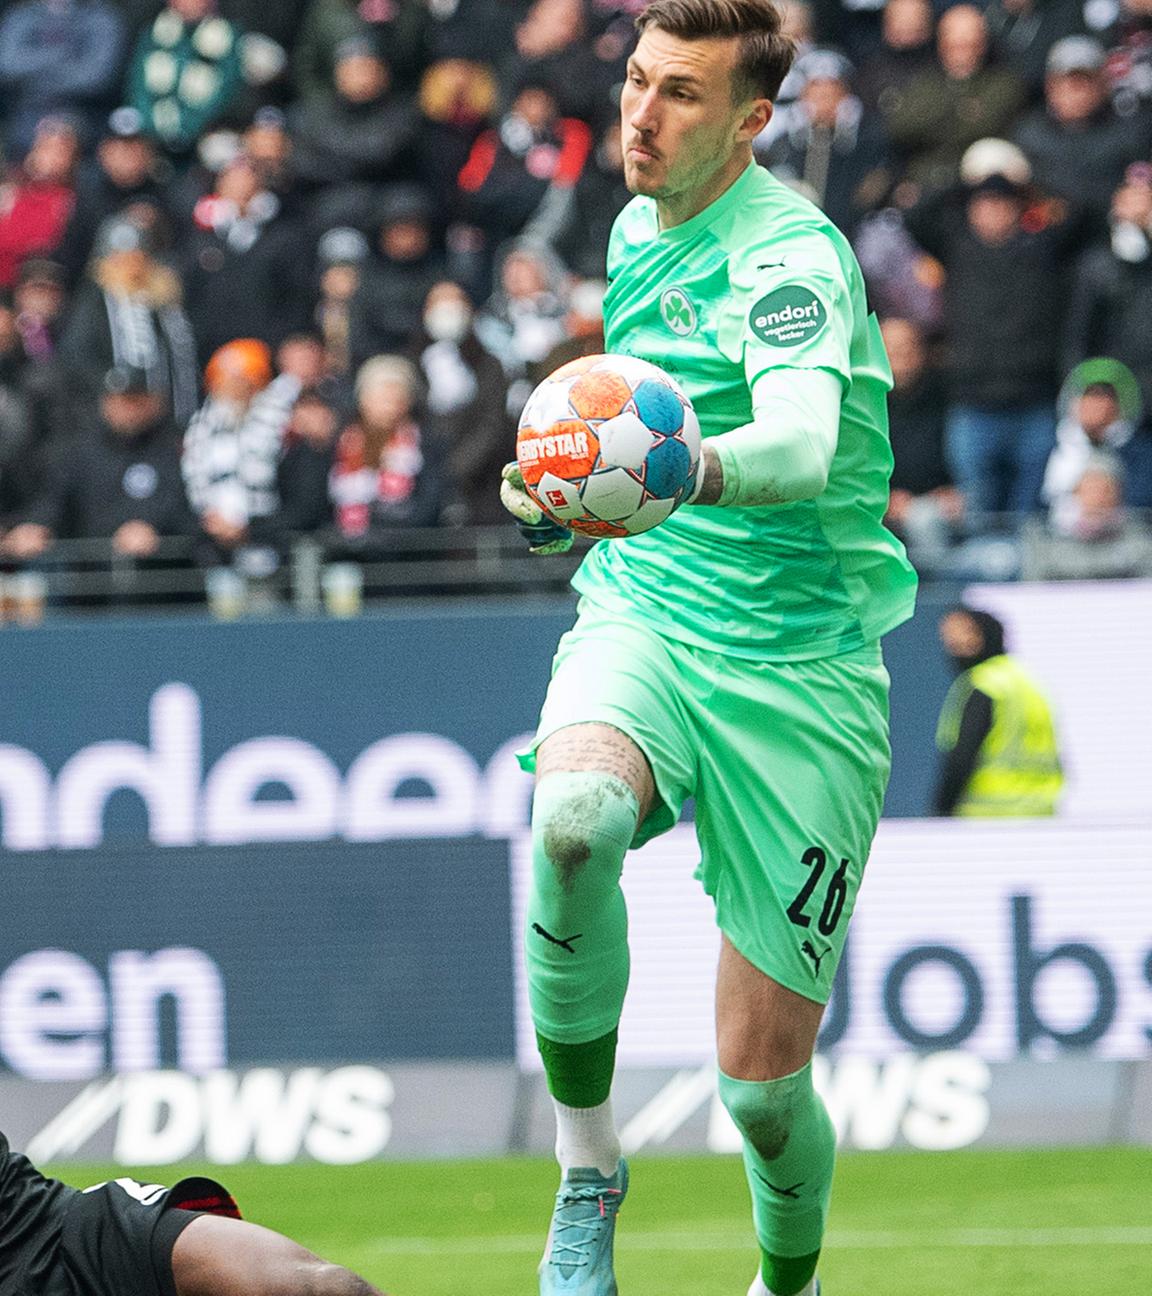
x,y
609,445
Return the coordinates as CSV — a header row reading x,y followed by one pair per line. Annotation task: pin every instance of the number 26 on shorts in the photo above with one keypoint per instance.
x,y
835,893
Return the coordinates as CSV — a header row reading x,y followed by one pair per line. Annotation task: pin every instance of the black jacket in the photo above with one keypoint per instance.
x,y
101,480
1111,314
1003,305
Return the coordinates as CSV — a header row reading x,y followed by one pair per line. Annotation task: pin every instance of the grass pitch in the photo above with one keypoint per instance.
x,y
940,1224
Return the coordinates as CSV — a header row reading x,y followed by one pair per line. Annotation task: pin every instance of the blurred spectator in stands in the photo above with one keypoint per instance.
x,y
268,145
245,266
832,146
37,197
17,429
233,444
524,318
1077,144
389,301
997,733
120,480
944,110
128,314
553,48
363,133
924,506
398,30
186,73
124,172
1129,41
514,169
302,475
38,302
903,280
1101,411
58,56
1003,303
583,328
341,254
479,29
1111,307
907,51
1023,31
302,355
467,425
1096,538
597,199
457,101
382,477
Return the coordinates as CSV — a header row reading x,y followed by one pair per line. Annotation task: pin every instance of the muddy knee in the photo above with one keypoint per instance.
x,y
582,825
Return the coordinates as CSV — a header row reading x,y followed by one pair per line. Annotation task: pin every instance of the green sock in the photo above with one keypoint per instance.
x,y
789,1155
576,942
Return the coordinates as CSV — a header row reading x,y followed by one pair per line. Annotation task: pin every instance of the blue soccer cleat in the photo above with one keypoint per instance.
x,y
578,1254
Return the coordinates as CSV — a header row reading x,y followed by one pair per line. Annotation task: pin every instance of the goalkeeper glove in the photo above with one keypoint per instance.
x,y
543,535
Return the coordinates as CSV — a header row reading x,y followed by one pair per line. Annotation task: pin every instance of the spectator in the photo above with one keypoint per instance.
x,y
128,314
37,197
832,146
583,328
906,52
457,101
268,145
120,483
389,302
233,444
398,30
512,169
524,318
364,132
1101,411
17,432
1003,304
245,265
304,470
381,477
924,506
58,56
965,99
1111,306
997,734
38,303
596,200
468,429
1097,537
124,173
1077,144
341,254
1130,55
186,72
1023,31
552,48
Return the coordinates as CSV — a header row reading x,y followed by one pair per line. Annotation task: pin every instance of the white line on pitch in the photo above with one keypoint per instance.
x,y
846,1241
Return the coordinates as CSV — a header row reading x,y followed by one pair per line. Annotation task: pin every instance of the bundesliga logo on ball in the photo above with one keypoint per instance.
x,y
609,446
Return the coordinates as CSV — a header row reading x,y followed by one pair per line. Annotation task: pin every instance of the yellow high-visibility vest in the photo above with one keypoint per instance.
x,y
1017,772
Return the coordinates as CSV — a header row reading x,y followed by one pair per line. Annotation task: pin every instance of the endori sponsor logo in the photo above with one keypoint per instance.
x,y
788,316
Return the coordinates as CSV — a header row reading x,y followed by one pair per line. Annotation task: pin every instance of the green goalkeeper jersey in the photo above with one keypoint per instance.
x,y
758,280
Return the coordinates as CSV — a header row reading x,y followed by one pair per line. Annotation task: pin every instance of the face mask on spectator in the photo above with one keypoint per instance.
x,y
1130,242
447,322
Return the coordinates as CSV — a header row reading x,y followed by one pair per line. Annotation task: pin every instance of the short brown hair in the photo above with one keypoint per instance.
x,y
765,55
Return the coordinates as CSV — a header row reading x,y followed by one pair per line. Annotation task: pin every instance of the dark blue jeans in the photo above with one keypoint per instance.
x,y
998,456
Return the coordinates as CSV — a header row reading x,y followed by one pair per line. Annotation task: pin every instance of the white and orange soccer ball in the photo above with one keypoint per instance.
x,y
609,445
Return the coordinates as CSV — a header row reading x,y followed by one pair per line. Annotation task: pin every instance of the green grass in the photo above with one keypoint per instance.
x,y
1030,1223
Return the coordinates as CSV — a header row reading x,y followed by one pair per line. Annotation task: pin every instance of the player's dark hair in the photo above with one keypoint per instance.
x,y
766,54
991,629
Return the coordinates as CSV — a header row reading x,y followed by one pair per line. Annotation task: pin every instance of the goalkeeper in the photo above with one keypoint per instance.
x,y
732,654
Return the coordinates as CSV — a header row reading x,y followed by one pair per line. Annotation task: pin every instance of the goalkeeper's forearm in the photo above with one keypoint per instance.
x,y
785,453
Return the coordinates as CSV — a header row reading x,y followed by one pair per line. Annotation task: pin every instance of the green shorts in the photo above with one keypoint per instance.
x,y
787,761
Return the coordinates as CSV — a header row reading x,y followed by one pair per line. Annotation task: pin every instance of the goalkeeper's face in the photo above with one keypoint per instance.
x,y
681,120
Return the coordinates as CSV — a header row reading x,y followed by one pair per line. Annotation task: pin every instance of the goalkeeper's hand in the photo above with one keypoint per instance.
x,y
543,535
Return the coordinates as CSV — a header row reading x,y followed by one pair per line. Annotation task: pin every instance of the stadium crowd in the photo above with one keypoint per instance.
x,y
271,269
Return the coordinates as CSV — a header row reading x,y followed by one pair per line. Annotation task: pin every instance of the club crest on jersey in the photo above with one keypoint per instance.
x,y
678,312
788,316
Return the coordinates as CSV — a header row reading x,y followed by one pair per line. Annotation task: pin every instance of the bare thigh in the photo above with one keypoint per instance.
x,y
215,1256
763,1030
598,748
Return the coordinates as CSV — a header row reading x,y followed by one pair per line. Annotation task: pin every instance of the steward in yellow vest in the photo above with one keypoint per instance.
x,y
996,731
